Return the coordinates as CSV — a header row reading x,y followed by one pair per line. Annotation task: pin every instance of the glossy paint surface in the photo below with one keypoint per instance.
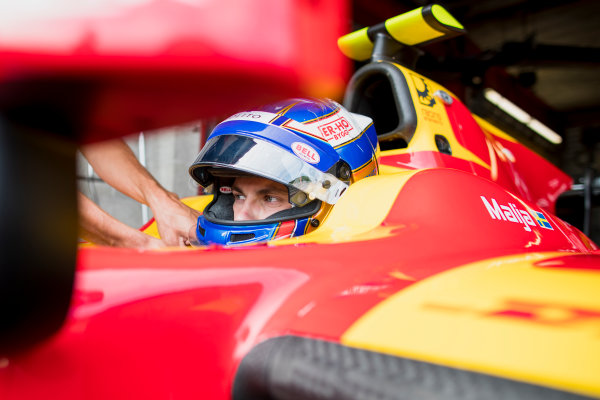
x,y
528,316
161,324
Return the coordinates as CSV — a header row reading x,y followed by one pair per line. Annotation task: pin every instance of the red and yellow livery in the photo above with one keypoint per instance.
x,y
446,276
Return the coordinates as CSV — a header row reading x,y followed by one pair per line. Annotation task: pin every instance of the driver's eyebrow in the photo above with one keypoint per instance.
x,y
237,189
269,188
274,189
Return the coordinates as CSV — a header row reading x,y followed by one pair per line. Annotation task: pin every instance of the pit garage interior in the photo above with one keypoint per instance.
x,y
541,56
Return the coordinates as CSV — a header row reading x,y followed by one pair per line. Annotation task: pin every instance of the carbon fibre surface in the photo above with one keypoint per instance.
x,y
292,367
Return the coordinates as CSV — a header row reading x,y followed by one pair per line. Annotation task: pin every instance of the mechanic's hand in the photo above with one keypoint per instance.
x,y
173,219
192,240
150,243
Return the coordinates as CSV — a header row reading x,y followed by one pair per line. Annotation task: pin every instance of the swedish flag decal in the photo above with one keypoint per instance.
x,y
541,220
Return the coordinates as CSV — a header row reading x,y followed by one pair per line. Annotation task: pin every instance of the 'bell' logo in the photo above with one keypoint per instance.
x,y
306,153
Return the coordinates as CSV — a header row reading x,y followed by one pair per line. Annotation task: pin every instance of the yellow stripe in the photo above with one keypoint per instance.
x,y
276,230
286,109
364,165
277,117
507,316
350,141
297,130
332,112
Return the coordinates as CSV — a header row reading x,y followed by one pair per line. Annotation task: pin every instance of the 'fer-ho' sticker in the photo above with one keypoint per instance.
x,y
306,152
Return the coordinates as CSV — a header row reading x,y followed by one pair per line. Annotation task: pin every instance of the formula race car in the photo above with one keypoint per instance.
x,y
445,276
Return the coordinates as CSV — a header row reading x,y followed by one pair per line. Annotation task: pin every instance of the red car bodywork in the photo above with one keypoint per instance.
x,y
176,324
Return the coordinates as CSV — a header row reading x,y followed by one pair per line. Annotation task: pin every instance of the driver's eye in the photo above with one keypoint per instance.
x,y
273,201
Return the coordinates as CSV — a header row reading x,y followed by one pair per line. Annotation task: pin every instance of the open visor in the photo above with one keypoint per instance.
x,y
259,157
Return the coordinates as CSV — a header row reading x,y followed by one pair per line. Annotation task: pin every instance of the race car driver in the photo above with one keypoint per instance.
x,y
277,171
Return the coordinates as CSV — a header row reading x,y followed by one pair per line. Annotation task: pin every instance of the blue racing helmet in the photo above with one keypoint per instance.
x,y
315,148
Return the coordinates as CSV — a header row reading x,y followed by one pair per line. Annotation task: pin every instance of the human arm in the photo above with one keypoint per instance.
x,y
116,164
98,227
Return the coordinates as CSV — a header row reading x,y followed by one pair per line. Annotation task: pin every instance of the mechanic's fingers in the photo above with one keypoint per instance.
x,y
169,238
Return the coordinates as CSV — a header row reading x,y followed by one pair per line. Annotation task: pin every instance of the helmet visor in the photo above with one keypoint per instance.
x,y
259,157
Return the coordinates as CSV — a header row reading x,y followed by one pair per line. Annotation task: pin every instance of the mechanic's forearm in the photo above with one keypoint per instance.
x,y
98,227
115,163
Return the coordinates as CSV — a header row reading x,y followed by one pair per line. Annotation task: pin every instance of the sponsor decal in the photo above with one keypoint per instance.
x,y
423,91
336,129
262,116
306,153
542,220
431,116
247,115
225,189
510,213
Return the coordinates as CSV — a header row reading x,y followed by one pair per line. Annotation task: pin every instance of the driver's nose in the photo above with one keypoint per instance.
x,y
245,211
